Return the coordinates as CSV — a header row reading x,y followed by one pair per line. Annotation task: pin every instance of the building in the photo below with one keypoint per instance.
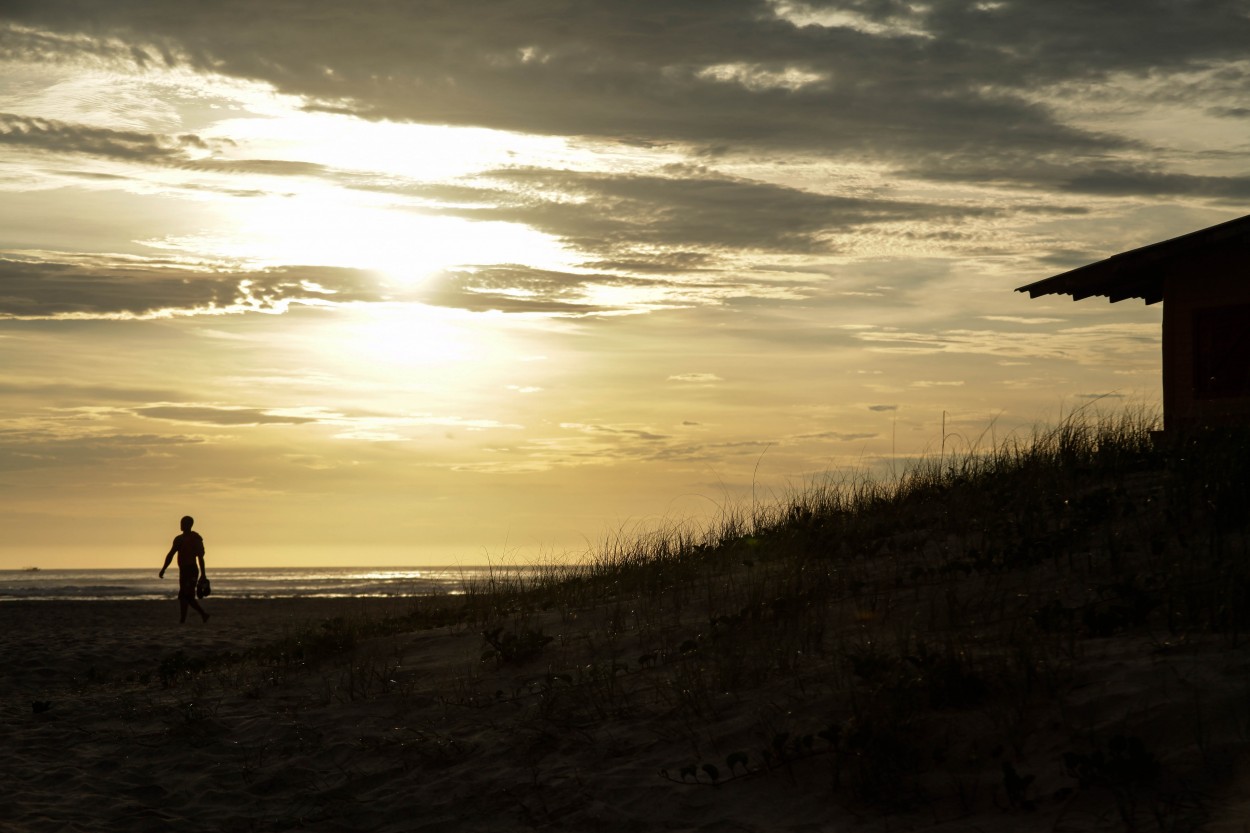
x,y
1203,281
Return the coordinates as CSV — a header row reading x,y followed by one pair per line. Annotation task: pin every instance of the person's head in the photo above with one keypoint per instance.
x,y
187,522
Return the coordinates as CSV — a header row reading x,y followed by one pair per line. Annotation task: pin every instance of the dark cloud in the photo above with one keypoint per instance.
x,y
692,207
64,137
269,167
1129,181
1088,38
1101,177
667,262
1069,258
46,289
883,407
62,393
942,90
942,81
93,175
521,289
678,220
18,43
53,136
1230,112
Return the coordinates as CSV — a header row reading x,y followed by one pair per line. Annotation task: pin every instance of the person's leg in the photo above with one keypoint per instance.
x,y
187,578
193,603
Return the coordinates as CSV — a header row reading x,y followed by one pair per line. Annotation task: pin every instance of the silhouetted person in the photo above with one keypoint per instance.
x,y
190,548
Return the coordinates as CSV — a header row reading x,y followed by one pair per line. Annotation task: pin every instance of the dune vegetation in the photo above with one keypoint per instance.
x,y
1053,626
1046,634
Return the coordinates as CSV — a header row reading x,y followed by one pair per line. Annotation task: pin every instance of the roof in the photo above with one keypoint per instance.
x,y
1139,273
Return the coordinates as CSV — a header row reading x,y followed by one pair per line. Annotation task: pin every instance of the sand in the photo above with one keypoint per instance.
x,y
414,731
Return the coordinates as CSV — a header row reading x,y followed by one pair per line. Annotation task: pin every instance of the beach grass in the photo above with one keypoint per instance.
x,y
1045,633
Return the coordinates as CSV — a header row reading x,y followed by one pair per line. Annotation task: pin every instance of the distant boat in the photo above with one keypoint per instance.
x,y
30,569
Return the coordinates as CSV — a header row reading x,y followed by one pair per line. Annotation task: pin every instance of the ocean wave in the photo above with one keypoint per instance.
x,y
243,583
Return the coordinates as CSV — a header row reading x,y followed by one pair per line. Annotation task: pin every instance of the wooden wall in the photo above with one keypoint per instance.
x,y
1206,343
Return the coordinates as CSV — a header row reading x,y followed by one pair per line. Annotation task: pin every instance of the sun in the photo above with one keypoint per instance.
x,y
414,335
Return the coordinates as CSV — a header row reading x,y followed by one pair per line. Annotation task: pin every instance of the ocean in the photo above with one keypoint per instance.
x,y
244,583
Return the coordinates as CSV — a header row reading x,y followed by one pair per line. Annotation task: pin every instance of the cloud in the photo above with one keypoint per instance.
x,y
266,167
584,445
1230,112
516,289
883,407
838,436
933,87
62,443
185,151
1022,319
601,444
1066,258
61,137
668,262
111,288
696,378
520,289
357,426
74,392
615,431
1097,344
23,43
1141,181
220,415
689,212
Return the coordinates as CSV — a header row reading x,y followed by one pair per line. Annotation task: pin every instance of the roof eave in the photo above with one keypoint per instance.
x,y
1139,273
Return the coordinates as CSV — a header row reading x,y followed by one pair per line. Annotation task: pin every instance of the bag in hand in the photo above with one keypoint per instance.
x,y
203,588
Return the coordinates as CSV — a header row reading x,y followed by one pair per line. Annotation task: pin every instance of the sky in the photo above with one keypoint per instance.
x,y
385,283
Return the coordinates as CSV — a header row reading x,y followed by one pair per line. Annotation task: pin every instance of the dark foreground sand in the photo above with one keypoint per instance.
x,y
412,731
51,645
123,747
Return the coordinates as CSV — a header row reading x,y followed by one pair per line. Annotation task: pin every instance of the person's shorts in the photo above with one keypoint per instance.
x,y
187,580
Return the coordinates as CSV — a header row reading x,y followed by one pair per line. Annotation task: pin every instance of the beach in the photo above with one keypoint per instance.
x,y
441,741
148,725
64,645
447,742
121,749
424,738
1038,646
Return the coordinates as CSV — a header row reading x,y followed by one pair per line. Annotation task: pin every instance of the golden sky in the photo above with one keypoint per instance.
x,y
435,283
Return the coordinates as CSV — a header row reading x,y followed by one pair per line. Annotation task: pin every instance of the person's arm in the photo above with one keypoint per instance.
x,y
202,572
168,558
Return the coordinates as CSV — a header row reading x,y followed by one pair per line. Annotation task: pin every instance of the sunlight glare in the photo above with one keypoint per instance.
x,y
408,335
417,152
328,227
